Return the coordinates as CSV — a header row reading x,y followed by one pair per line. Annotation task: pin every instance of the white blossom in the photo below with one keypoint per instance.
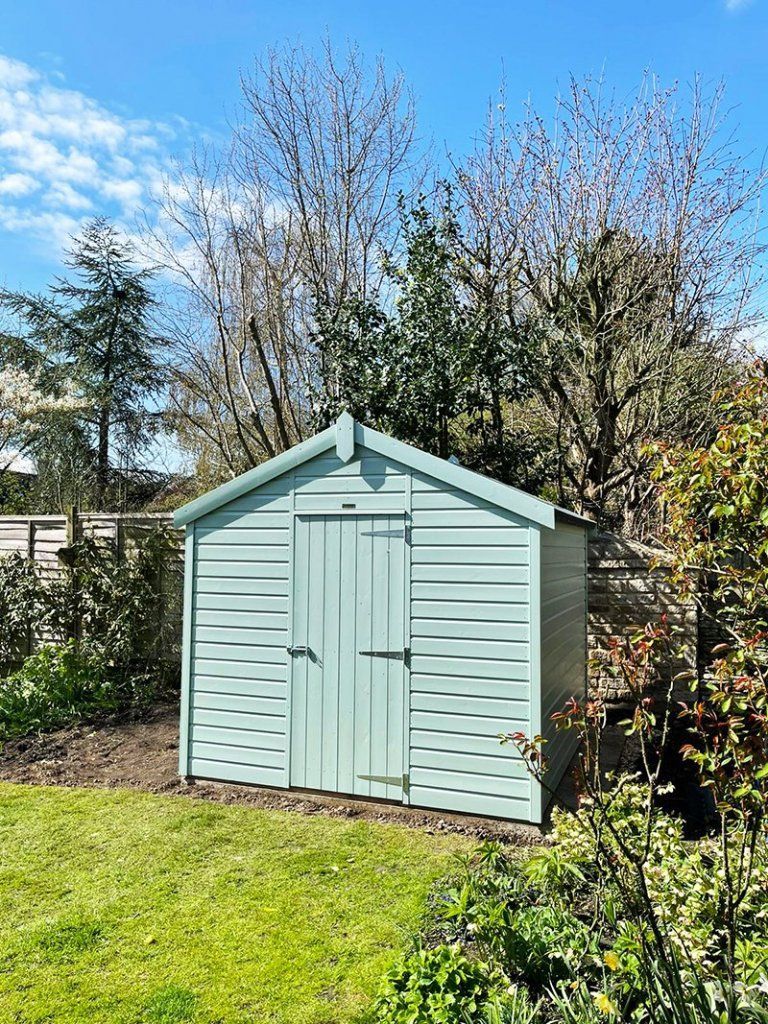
x,y
24,403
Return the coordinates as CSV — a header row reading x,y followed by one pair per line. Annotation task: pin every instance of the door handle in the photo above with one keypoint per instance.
x,y
297,650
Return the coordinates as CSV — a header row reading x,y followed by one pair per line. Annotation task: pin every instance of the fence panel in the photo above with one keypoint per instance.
x,y
41,538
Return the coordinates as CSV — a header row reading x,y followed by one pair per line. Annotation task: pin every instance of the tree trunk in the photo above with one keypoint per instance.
x,y
102,459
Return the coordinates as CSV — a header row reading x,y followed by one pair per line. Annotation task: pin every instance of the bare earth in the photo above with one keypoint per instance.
x,y
143,754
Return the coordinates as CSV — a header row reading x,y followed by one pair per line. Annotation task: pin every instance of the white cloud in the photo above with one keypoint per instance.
x,y
17,185
64,156
736,5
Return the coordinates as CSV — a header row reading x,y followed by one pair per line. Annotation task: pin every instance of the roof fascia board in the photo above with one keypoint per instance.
x,y
256,477
344,435
510,498
574,518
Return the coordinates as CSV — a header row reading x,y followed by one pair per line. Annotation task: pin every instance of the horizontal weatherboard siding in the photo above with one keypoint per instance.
x,y
239,688
470,638
563,602
494,612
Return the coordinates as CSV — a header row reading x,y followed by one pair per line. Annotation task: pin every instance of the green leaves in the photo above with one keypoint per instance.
x,y
435,986
115,661
433,361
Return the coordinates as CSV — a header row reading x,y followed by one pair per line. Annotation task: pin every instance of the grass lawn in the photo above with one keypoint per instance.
x,y
136,909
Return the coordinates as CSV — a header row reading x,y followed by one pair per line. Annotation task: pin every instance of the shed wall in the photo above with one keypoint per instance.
x,y
470,639
239,612
563,635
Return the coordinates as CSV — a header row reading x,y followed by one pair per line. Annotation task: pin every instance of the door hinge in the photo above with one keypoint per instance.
x,y
388,780
401,655
383,533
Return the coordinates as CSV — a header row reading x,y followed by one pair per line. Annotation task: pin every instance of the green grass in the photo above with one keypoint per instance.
x,y
125,908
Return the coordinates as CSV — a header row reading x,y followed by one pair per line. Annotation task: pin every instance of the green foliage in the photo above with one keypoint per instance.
x,y
685,881
28,604
434,986
717,499
93,330
117,596
58,683
494,906
717,536
573,939
118,656
438,366
15,490
539,944
515,1006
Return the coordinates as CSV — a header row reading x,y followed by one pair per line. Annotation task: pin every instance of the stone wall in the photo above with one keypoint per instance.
x,y
625,594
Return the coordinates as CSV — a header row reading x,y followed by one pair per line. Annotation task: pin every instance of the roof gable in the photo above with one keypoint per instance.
x,y
345,436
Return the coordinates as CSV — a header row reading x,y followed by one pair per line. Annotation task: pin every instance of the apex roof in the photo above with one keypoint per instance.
x,y
346,435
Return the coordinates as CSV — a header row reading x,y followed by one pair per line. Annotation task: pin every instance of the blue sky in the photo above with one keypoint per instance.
x,y
96,97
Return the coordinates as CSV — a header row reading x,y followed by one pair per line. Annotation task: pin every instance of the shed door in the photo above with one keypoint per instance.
x,y
348,663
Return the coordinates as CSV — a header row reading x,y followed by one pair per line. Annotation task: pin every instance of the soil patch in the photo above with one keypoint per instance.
x,y
142,753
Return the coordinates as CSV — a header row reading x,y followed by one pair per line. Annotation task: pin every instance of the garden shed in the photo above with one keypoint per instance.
x,y
361,617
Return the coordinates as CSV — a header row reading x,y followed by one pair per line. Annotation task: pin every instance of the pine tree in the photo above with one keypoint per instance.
x,y
96,324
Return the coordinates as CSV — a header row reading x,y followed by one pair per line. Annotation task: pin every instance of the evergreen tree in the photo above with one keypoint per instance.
x,y
95,325
440,364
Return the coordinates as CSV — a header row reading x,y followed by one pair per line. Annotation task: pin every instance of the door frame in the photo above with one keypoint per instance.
x,y
294,514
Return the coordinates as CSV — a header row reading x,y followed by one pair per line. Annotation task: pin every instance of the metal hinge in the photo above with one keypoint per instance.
x,y
388,780
383,533
404,534
401,655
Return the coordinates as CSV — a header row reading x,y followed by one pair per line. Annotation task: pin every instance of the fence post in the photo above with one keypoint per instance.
x,y
74,626
30,558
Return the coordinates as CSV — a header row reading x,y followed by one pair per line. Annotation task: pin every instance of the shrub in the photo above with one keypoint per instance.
x,y
435,986
623,919
487,880
28,605
112,604
539,944
118,597
515,1006
59,683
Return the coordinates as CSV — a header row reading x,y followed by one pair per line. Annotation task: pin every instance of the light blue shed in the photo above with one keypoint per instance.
x,y
363,618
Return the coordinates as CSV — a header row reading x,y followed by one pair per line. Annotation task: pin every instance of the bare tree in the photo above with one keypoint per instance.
x,y
296,214
621,240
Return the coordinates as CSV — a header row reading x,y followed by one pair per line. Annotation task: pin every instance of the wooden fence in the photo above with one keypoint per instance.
x,y
42,539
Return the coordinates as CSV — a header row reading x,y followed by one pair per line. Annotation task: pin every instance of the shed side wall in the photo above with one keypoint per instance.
x,y
563,635
470,641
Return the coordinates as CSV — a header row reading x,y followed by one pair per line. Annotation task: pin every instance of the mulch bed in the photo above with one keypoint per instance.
x,y
142,753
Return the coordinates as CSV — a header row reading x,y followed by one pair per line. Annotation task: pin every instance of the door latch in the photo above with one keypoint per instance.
x,y
297,650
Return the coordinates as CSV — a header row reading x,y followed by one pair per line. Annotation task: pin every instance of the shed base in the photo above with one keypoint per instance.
x,y
346,805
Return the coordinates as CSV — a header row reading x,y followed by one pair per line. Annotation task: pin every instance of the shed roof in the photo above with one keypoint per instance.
x,y
345,436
